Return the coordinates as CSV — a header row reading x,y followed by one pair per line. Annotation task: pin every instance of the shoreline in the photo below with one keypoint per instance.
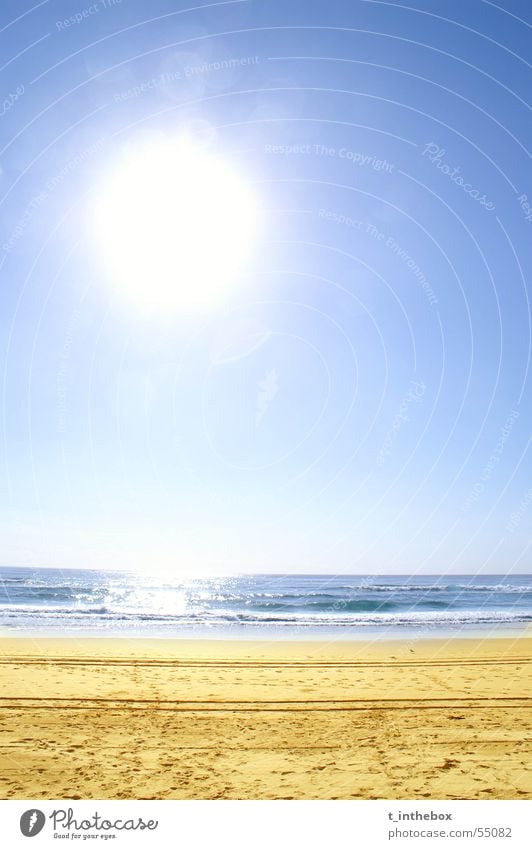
x,y
48,603
374,633
103,718
521,634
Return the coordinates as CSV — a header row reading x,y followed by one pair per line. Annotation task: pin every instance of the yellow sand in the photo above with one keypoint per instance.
x,y
163,719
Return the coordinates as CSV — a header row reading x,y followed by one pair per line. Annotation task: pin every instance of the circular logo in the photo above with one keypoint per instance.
x,y
32,822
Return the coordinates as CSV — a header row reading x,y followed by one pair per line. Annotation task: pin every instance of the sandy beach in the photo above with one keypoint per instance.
x,y
160,719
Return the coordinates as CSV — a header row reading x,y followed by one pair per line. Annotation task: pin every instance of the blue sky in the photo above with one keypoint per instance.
x,y
361,402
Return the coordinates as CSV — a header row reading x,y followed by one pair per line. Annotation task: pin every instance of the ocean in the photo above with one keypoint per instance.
x,y
73,602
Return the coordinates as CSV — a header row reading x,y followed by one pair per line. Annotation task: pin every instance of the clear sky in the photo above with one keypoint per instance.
x,y
361,400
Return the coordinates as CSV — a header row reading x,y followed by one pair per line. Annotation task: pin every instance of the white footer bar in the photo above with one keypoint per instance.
x,y
266,824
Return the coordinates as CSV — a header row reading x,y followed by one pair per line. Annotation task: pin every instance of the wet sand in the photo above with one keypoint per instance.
x,y
161,719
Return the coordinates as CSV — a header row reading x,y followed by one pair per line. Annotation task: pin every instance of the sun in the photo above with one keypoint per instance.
x,y
175,225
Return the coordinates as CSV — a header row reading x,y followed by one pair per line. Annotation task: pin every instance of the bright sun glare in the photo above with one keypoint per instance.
x,y
176,225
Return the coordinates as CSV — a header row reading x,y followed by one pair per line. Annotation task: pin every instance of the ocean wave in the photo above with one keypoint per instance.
x,y
78,601
105,614
214,594
442,588
395,589
52,610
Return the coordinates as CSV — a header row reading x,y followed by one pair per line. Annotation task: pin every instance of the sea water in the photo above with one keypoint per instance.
x,y
67,602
